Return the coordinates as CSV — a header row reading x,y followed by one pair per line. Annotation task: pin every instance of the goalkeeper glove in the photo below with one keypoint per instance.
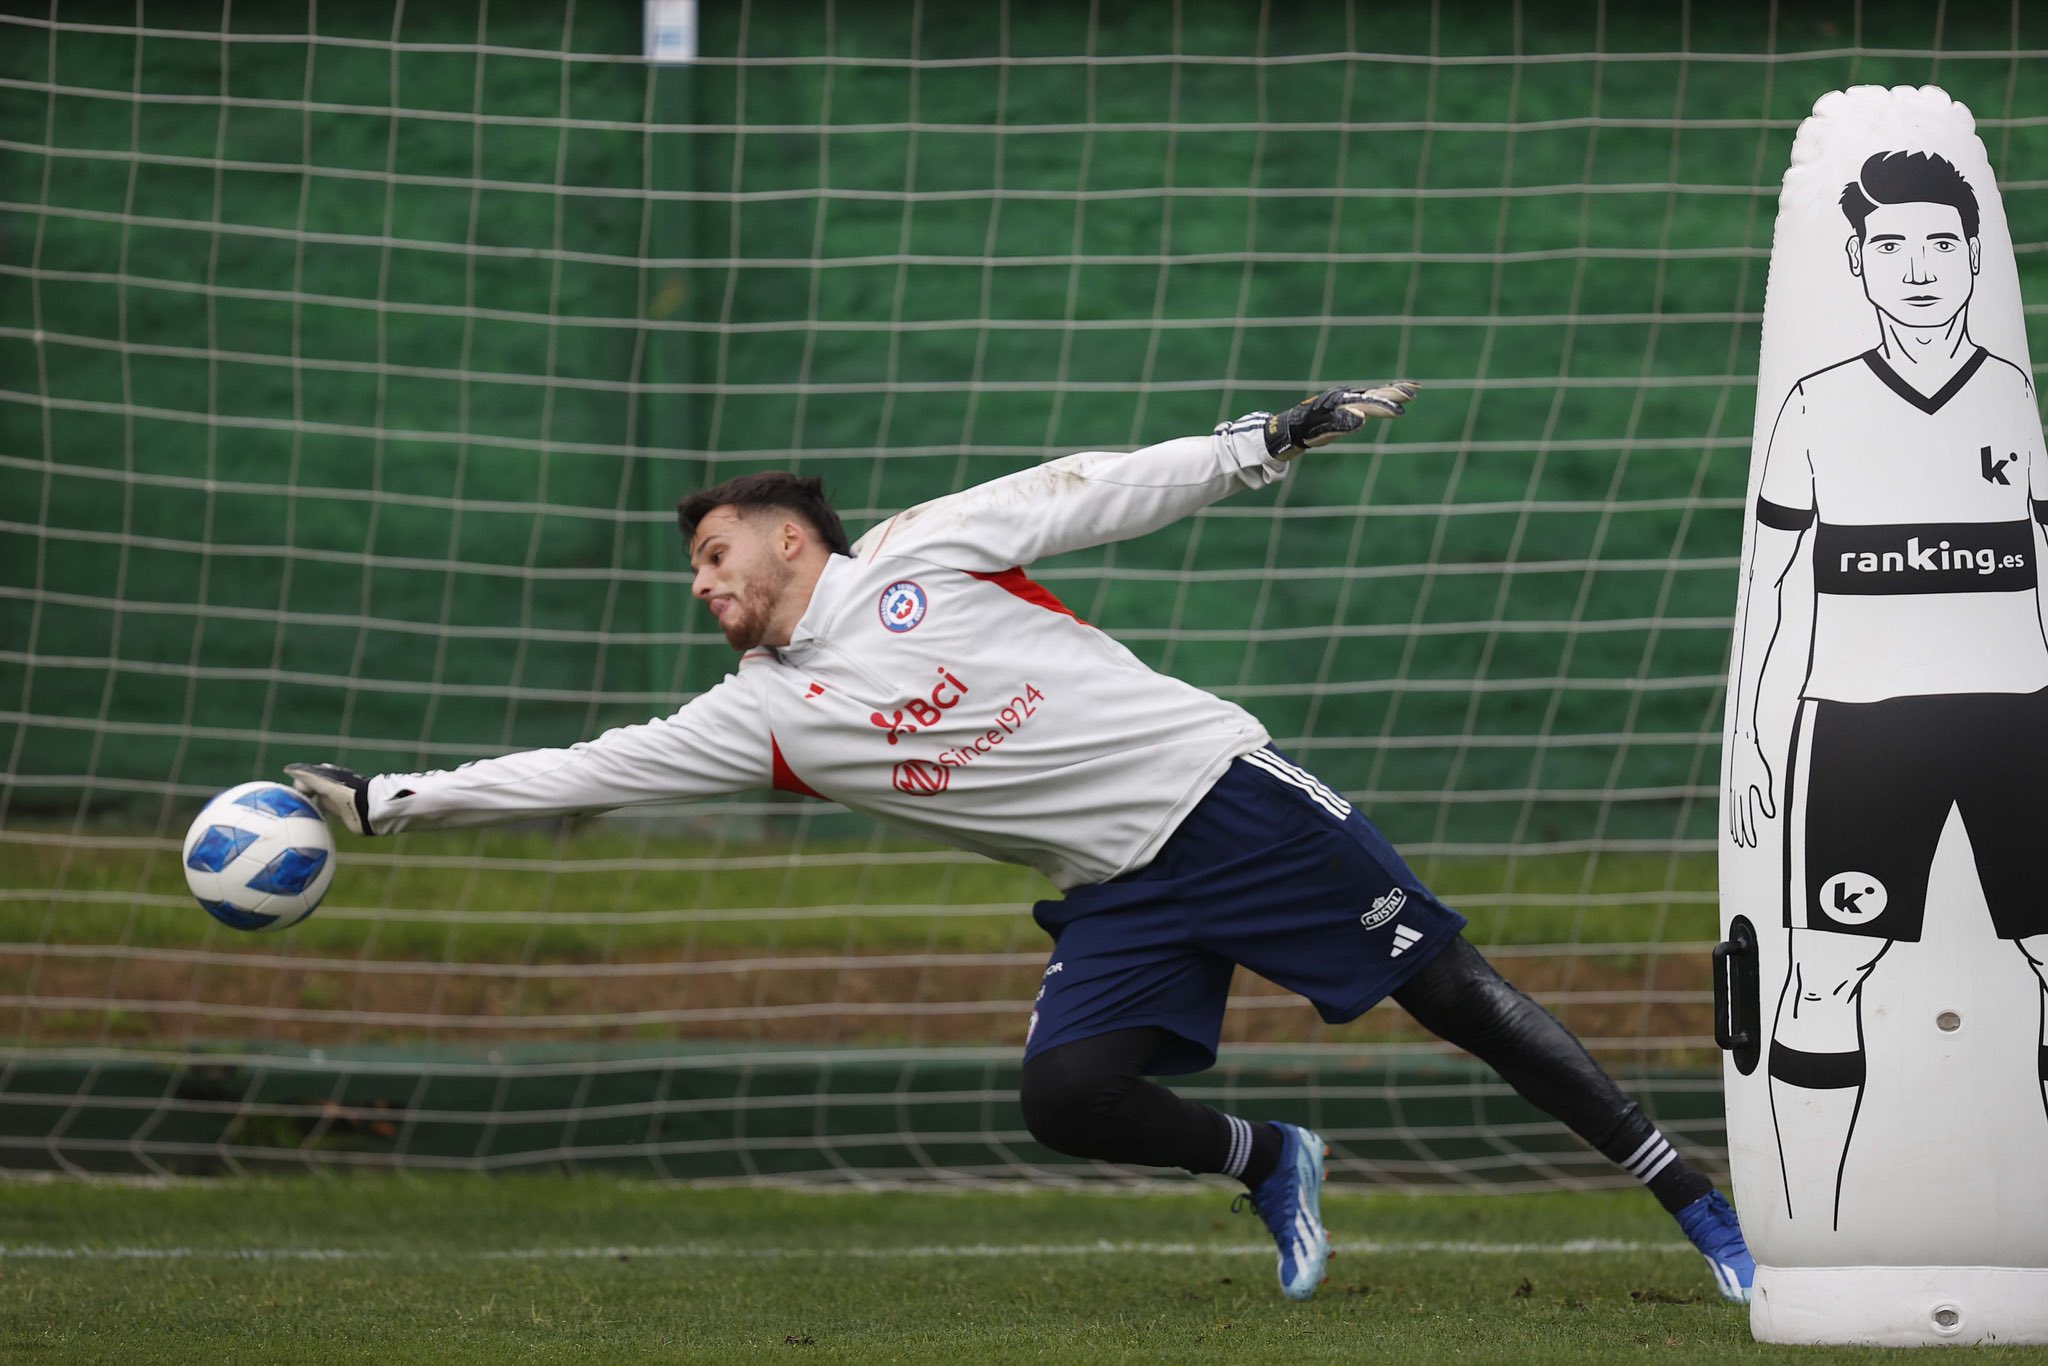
x,y
340,792
1333,413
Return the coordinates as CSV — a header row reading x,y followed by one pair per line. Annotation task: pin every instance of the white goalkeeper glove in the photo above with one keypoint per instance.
x,y
1333,413
339,792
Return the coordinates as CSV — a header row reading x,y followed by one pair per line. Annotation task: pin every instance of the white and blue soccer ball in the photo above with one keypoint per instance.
x,y
259,857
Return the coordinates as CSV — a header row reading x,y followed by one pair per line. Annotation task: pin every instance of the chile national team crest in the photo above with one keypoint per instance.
x,y
903,605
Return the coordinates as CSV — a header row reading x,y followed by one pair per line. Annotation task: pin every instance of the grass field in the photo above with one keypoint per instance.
x,y
603,1271
518,895
615,932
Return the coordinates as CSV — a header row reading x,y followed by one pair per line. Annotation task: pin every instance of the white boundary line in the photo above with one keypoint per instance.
x,y
1576,1247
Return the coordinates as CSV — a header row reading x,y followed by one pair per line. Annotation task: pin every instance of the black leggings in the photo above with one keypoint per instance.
x,y
1089,1099
1460,998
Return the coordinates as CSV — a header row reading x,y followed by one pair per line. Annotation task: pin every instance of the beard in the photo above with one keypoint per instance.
x,y
745,623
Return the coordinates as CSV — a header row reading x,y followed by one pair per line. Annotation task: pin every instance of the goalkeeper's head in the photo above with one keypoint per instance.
x,y
757,545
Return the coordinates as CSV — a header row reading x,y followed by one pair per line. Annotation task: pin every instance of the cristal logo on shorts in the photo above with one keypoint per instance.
x,y
903,605
1384,908
1852,898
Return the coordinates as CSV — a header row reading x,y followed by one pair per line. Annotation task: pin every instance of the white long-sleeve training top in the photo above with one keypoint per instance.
x,y
933,686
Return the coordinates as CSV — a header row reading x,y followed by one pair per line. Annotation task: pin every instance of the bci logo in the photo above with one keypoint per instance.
x,y
921,711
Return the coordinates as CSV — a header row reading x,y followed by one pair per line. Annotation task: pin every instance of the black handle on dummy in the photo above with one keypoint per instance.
x,y
1738,1009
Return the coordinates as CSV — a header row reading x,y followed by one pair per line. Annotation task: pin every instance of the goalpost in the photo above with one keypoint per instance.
x,y
352,359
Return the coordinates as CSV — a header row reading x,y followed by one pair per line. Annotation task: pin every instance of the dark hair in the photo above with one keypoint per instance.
x,y
771,489
1909,178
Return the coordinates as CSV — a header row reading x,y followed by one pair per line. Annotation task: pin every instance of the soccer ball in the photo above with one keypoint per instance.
x,y
259,857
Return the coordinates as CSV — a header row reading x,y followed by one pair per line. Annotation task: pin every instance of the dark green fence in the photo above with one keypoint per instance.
x,y
346,385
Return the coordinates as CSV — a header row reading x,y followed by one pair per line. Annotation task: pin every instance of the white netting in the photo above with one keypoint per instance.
x,y
352,359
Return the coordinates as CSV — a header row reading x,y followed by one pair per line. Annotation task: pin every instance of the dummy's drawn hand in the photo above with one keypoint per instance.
x,y
1750,802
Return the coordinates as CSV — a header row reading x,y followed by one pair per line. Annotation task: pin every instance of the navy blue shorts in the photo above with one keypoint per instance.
x,y
1271,870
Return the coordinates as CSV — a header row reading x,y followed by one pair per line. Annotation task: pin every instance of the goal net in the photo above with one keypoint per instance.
x,y
352,360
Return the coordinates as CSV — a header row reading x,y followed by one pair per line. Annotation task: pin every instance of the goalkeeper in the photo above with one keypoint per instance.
x,y
919,676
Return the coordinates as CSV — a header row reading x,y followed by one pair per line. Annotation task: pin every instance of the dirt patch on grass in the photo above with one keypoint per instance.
x,y
1654,1008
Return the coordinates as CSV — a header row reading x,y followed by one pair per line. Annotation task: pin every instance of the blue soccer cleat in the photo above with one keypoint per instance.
x,y
1290,1201
1711,1224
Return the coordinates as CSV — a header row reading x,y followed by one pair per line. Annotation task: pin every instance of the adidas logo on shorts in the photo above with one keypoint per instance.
x,y
1405,939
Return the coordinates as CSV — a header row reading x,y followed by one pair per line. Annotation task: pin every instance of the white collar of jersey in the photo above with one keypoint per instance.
x,y
826,595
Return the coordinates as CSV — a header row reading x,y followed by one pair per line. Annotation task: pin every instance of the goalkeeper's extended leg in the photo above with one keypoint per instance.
x,y
1089,1099
1458,996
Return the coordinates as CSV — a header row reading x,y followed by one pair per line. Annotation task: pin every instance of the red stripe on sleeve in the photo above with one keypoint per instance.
x,y
1014,581
785,779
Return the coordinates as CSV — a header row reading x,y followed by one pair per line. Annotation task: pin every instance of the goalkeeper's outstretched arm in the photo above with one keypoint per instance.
x,y
1096,497
712,746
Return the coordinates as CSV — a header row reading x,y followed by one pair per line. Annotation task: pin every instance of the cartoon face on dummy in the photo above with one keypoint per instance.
x,y
1917,265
